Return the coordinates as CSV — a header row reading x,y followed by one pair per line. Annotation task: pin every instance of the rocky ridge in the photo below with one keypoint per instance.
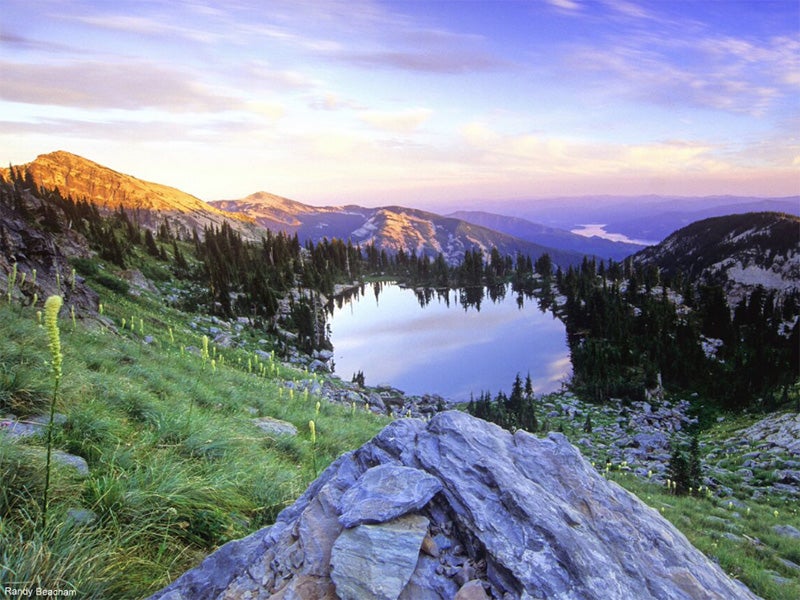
x,y
459,508
151,203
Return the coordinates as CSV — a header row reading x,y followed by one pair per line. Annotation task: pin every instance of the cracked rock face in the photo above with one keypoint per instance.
x,y
458,507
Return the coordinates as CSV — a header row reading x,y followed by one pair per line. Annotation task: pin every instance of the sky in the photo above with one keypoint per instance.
x,y
411,102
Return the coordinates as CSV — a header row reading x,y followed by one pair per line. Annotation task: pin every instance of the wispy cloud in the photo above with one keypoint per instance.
x,y
553,155
720,73
402,121
566,5
430,62
149,26
13,40
125,85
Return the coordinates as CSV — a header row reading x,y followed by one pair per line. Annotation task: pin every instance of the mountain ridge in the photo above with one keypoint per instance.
x,y
111,190
738,252
390,228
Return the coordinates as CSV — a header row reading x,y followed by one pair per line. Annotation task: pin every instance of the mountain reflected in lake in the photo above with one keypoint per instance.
x,y
455,343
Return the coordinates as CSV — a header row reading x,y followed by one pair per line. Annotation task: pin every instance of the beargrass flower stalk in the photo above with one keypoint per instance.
x,y
100,309
72,316
313,427
39,317
22,279
141,326
171,336
316,410
72,280
35,300
33,277
124,323
12,279
204,352
51,307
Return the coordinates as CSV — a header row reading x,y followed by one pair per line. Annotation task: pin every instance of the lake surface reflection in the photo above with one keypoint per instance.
x,y
445,343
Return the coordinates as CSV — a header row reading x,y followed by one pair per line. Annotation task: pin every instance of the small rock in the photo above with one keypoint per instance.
x,y
70,460
472,590
789,564
429,547
385,492
377,561
464,574
786,531
81,516
272,426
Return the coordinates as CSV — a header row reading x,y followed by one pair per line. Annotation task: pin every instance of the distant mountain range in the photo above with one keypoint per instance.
x,y
548,236
390,228
636,217
394,228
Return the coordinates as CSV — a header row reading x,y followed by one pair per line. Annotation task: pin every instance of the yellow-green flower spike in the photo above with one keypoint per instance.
x,y
51,307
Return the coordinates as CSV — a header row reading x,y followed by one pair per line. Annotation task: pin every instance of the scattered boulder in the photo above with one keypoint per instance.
x,y
71,460
272,426
787,531
511,516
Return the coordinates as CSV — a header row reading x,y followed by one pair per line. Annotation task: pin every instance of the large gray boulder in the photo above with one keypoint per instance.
x,y
513,514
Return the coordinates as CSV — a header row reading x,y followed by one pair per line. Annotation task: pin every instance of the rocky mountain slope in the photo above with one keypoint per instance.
x,y
150,203
459,508
548,236
738,252
390,228
43,255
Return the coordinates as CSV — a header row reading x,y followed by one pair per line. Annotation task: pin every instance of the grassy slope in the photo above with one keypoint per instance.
x,y
177,468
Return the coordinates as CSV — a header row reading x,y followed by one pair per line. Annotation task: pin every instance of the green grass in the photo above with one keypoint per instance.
x,y
177,468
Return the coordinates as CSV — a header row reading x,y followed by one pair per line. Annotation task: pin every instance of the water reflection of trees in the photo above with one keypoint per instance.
x,y
468,297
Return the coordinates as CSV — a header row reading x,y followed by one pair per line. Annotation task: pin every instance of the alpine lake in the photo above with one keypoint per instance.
x,y
456,343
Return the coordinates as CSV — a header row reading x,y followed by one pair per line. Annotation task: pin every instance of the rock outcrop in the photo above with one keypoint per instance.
x,y
459,508
39,259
